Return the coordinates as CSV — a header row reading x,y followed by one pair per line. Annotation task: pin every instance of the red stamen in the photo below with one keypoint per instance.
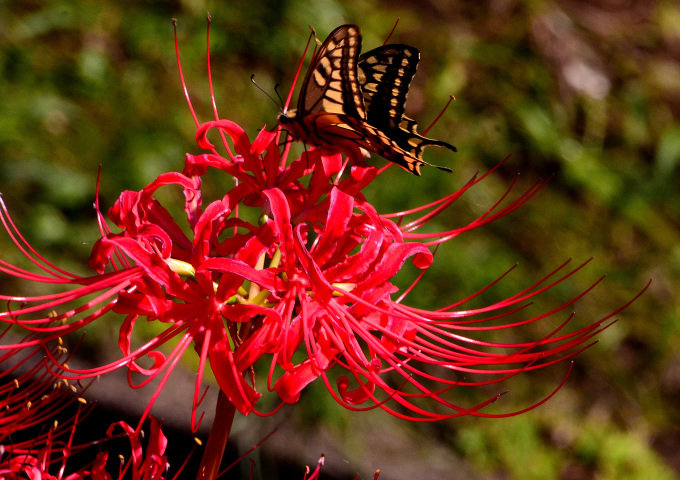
x,y
392,31
451,98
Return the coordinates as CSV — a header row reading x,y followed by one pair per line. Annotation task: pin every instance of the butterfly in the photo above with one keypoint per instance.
x,y
347,98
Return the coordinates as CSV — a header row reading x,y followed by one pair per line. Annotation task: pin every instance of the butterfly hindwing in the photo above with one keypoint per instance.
x,y
385,74
347,99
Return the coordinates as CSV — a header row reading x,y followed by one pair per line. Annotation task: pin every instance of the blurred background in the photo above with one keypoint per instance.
x,y
588,92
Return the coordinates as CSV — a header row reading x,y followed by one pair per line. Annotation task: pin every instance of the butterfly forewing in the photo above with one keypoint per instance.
x,y
330,86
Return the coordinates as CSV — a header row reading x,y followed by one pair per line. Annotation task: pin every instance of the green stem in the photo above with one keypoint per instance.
x,y
217,441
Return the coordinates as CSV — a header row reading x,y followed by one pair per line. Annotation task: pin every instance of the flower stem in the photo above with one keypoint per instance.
x,y
217,441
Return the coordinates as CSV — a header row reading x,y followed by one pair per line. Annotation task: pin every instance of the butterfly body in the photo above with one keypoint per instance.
x,y
351,100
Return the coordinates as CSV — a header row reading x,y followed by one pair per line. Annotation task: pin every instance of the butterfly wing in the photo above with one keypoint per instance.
x,y
347,100
330,92
399,145
385,74
330,85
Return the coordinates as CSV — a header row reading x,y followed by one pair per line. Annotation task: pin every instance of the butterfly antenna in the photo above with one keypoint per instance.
x,y
278,94
278,105
392,31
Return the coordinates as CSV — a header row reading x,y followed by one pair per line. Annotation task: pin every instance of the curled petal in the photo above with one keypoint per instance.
x,y
262,142
238,135
266,279
291,383
339,216
357,396
229,378
394,258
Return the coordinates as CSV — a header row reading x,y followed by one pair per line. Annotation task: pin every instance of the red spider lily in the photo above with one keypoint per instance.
x,y
48,458
39,418
36,427
42,460
312,274
303,284
148,463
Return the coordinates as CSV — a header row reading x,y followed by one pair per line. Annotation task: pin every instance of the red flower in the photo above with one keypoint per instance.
x,y
293,267
30,400
148,463
38,421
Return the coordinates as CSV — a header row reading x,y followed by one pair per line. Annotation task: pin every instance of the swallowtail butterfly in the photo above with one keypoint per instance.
x,y
360,99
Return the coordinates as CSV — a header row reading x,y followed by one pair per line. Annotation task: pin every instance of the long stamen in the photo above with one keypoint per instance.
x,y
446,107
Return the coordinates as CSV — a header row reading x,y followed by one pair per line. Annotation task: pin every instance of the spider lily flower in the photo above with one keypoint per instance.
x,y
312,274
50,458
145,462
36,416
292,269
39,418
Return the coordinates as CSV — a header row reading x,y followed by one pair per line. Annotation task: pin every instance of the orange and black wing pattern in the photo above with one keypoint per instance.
x,y
330,92
347,98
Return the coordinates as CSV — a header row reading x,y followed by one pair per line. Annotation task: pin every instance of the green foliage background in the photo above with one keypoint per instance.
x,y
586,91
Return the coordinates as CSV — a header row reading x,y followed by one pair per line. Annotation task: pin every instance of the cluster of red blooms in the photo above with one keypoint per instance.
x,y
292,267
38,422
310,274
